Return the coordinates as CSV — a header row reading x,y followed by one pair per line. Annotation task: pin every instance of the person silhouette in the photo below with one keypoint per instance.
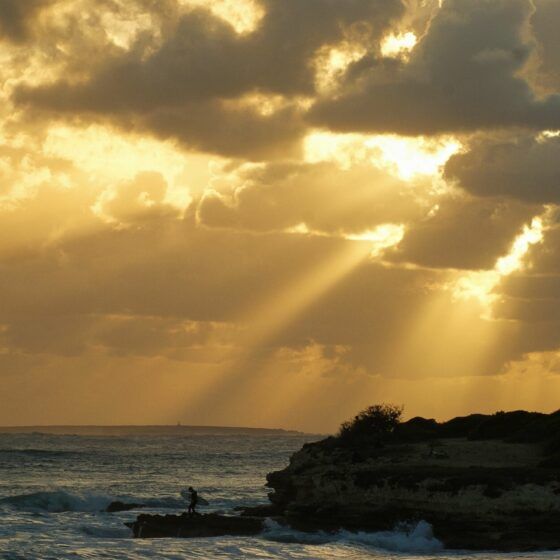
x,y
193,500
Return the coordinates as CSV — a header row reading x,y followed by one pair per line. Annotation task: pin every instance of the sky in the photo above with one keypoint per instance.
x,y
274,213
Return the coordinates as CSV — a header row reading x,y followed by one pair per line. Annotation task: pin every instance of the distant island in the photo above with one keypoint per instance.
x,y
154,430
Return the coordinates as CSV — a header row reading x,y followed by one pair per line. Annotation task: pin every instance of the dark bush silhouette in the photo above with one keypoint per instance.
x,y
461,426
504,425
417,429
381,423
376,422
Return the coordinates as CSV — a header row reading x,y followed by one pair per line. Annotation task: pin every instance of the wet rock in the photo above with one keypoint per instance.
x,y
116,506
265,510
193,526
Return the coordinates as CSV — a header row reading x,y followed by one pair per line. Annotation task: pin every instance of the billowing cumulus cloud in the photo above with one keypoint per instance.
x,y
522,167
317,196
185,86
464,75
354,201
141,199
464,232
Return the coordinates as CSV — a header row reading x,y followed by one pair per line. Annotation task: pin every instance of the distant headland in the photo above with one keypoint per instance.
x,y
148,430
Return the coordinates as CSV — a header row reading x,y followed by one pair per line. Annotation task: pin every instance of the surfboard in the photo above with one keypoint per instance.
x,y
187,495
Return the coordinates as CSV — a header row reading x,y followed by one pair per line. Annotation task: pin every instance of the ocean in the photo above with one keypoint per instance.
x,y
54,488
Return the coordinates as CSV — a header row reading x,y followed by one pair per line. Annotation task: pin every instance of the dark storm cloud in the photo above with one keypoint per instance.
x,y
462,76
17,18
532,286
464,232
242,132
180,89
541,311
545,27
532,295
203,57
535,291
545,257
523,167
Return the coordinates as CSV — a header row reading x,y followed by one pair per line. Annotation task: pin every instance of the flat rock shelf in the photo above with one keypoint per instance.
x,y
192,526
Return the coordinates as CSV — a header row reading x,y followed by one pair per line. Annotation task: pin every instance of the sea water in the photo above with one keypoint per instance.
x,y
54,488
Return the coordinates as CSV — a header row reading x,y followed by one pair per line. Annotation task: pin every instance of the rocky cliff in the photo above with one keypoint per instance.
x,y
483,482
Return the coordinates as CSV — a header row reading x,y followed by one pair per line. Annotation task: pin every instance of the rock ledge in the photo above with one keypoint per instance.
x,y
482,482
192,526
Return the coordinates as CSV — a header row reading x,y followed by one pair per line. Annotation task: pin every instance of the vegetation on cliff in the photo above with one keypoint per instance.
x,y
376,422
480,480
382,424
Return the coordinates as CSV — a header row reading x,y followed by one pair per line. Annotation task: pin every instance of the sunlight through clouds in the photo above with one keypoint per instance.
x,y
360,194
108,156
395,45
405,157
381,238
481,284
243,15
332,62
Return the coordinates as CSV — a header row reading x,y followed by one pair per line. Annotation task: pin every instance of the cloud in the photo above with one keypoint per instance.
x,y
464,232
518,167
17,18
464,75
322,196
544,25
150,291
139,270
191,85
238,131
138,200
533,295
203,57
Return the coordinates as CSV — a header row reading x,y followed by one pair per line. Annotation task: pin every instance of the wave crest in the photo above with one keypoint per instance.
x,y
406,537
58,501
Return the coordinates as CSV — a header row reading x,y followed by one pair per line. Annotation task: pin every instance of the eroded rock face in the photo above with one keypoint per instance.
x,y
191,526
478,493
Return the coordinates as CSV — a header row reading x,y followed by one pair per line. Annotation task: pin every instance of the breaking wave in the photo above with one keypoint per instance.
x,y
106,532
59,501
406,537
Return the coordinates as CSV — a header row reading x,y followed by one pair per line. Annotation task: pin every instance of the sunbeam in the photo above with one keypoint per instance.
x,y
270,318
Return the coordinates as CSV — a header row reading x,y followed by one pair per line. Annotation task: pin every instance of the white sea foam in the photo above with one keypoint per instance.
x,y
416,537
106,532
57,501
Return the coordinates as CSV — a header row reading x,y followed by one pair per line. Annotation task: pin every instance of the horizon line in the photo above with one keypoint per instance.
x,y
174,426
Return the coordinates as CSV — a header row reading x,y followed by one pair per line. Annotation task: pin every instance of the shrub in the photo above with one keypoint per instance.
x,y
375,422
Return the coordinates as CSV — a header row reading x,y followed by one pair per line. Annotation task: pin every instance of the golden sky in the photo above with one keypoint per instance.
x,y
277,212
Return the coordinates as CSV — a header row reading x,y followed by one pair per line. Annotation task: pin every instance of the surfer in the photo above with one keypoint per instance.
x,y
193,500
